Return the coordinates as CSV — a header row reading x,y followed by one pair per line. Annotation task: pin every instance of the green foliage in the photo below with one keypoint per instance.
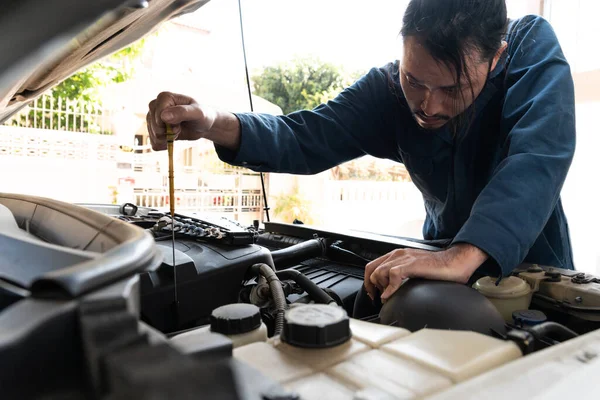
x,y
85,83
133,51
80,92
292,206
303,83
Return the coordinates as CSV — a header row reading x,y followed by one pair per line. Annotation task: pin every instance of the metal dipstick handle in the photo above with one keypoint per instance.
x,y
170,140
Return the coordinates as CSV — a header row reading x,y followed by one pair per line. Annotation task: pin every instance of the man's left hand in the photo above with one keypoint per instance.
x,y
387,273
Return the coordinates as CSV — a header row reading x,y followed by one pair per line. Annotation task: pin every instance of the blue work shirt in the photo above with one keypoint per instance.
x,y
495,183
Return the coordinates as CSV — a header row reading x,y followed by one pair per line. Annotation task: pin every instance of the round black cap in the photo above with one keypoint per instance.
x,y
528,317
234,319
316,326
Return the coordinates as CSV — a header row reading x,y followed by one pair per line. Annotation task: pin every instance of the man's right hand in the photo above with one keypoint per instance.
x,y
188,120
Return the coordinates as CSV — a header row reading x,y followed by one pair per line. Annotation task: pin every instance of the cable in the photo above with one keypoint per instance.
x,y
262,178
244,52
336,247
311,288
277,293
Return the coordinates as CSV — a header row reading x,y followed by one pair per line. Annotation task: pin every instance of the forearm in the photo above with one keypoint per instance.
x,y
464,259
225,131
457,264
311,141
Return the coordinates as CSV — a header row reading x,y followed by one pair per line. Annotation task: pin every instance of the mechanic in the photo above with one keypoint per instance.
x,y
481,112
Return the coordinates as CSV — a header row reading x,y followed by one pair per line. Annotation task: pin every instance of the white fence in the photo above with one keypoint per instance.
x,y
79,115
394,208
45,144
83,167
48,149
388,207
207,185
89,168
68,166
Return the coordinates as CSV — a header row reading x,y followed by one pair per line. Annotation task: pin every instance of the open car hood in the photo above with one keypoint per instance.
x,y
44,42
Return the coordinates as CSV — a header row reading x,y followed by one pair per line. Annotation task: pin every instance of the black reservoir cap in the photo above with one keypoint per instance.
x,y
235,319
316,326
528,317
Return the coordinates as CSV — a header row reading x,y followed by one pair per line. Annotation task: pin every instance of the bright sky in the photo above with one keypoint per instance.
x,y
358,34
341,31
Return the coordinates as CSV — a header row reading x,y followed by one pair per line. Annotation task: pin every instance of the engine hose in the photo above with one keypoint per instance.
x,y
276,292
552,330
299,252
314,291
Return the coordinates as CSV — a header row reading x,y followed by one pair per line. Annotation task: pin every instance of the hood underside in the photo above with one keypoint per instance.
x,y
45,42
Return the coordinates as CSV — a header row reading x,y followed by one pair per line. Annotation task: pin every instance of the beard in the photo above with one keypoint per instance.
x,y
429,123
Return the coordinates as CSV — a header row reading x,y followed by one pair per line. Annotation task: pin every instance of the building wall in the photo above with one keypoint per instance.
x,y
576,26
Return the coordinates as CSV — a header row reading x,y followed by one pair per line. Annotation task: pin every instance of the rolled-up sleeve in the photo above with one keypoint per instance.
x,y
310,141
539,116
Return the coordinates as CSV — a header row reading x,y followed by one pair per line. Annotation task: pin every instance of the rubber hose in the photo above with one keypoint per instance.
x,y
299,252
276,292
553,330
314,291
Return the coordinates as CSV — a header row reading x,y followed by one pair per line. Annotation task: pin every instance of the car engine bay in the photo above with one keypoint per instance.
x,y
94,305
93,291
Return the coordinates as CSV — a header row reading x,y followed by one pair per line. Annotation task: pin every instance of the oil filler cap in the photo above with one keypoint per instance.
x,y
316,326
235,319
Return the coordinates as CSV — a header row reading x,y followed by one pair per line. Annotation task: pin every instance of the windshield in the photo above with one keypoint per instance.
x,y
86,141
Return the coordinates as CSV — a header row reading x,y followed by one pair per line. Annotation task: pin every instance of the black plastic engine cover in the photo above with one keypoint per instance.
x,y
208,276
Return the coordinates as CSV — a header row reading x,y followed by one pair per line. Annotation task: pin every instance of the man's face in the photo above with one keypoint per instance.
x,y
430,87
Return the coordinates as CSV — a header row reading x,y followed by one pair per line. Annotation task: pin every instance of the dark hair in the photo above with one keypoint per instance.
x,y
450,29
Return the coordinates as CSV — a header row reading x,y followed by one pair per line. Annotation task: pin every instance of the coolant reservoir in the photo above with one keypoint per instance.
x,y
322,354
314,337
239,322
510,295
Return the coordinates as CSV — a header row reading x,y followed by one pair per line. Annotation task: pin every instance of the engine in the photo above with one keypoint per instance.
x,y
216,264
212,266
100,293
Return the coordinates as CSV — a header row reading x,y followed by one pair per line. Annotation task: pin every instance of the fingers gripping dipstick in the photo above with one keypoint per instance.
x,y
170,140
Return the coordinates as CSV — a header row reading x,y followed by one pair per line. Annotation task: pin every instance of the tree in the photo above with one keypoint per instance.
x,y
303,83
85,83
292,206
82,88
